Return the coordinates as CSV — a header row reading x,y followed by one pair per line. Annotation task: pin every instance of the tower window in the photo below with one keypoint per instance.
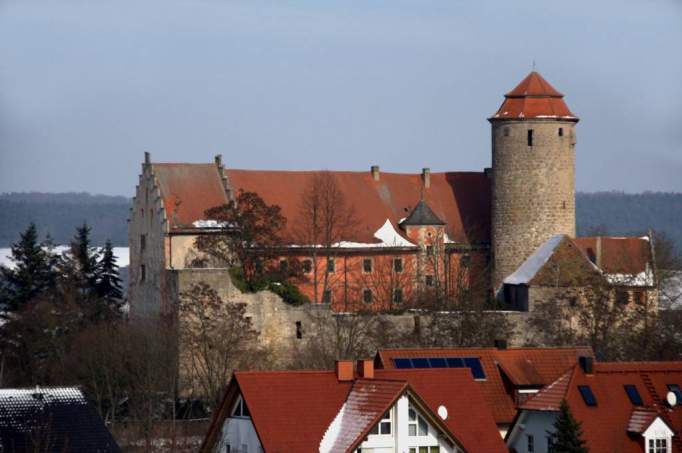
x,y
530,137
299,330
331,265
367,266
561,132
398,265
505,131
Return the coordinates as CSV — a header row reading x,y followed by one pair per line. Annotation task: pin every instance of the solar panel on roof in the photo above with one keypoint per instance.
x,y
475,365
633,394
455,362
437,362
420,363
587,395
402,364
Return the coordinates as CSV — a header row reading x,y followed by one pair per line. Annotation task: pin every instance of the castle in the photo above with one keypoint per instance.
x,y
510,228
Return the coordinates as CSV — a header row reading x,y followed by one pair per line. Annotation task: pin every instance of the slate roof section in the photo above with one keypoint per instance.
x,y
610,424
534,98
292,410
522,367
57,417
422,215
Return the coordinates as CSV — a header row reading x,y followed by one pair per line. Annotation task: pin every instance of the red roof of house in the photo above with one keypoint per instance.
x,y
534,98
522,367
461,199
619,255
292,410
606,425
188,190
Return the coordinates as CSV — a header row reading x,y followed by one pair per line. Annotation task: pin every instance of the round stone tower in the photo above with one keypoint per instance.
x,y
533,169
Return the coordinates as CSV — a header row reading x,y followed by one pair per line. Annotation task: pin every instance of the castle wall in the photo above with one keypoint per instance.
x,y
533,196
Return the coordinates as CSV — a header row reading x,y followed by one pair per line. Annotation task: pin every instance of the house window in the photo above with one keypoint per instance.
x,y
530,137
640,297
383,428
143,242
331,265
658,445
426,450
367,266
143,272
245,449
530,443
398,264
283,266
299,330
429,280
429,250
367,296
307,266
397,296
240,409
327,296
416,425
561,132
622,297
550,443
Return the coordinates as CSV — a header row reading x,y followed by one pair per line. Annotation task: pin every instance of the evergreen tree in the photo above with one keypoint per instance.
x,y
567,435
33,272
79,267
108,280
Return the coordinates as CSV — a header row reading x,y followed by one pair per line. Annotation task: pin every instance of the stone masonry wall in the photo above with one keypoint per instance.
x,y
533,196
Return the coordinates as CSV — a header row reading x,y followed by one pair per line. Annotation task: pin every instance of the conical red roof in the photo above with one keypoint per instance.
x,y
534,98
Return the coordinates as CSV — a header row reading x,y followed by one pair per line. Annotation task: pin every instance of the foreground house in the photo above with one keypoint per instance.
x,y
347,410
412,235
507,377
51,419
623,407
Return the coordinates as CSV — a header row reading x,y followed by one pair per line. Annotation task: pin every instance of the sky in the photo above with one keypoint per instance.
x,y
86,86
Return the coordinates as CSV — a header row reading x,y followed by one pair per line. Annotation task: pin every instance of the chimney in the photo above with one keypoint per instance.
x,y
147,158
426,177
366,369
344,370
598,252
219,160
500,344
375,172
587,364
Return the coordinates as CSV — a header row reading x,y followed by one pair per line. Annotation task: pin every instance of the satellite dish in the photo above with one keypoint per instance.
x,y
443,412
671,398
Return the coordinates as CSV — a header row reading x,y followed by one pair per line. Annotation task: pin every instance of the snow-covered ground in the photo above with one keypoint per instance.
x,y
122,255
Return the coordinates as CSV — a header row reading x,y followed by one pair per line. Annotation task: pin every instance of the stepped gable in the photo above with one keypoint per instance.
x,y
460,199
534,98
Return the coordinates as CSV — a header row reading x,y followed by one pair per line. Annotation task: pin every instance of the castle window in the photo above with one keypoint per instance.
x,y
622,297
143,242
398,264
283,266
397,296
530,137
367,266
299,330
327,296
465,260
506,131
143,272
429,280
561,132
429,250
331,265
367,296
307,266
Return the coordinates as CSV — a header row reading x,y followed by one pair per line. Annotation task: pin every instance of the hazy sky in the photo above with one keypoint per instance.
x,y
87,86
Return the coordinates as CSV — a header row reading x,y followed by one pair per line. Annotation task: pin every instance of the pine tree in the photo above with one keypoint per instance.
x,y
80,263
567,435
33,272
108,279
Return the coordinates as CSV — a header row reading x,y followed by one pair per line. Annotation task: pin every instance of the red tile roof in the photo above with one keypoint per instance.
x,y
533,98
606,425
461,199
188,190
523,367
619,255
291,410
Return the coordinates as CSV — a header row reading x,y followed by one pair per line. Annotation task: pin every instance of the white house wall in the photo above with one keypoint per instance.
x,y
536,424
238,432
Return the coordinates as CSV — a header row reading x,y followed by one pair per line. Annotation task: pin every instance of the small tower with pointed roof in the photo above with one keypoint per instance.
x,y
424,228
533,169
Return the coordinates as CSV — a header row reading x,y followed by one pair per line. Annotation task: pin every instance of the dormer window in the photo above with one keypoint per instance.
x,y
658,445
240,409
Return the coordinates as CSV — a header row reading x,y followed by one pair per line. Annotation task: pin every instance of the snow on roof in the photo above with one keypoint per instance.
x,y
387,234
525,273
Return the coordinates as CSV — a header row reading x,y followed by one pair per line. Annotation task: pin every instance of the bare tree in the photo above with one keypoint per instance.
x,y
216,337
325,220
